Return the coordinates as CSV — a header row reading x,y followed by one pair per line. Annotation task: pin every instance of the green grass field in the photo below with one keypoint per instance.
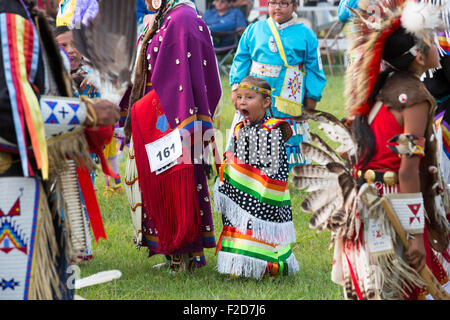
x,y
140,281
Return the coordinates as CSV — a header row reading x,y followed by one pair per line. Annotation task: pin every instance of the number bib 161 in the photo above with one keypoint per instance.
x,y
164,151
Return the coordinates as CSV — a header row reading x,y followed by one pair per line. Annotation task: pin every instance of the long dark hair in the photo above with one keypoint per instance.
x,y
398,58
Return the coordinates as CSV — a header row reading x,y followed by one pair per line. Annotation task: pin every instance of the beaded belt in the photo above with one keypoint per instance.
x,y
389,178
265,70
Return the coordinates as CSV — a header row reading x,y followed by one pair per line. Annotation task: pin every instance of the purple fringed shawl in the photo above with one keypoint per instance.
x,y
183,72
183,68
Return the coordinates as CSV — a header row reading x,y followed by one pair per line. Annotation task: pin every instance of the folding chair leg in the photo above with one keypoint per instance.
x,y
225,69
330,67
342,62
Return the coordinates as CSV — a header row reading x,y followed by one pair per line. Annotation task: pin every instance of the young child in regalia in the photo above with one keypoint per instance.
x,y
252,193
393,172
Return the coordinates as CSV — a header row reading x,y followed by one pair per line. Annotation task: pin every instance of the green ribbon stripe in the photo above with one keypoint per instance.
x,y
255,252
263,196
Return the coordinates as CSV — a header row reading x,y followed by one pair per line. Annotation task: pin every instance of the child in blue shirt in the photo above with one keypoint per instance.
x,y
259,55
344,13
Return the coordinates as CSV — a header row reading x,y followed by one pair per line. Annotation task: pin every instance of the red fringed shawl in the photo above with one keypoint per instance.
x,y
170,198
97,139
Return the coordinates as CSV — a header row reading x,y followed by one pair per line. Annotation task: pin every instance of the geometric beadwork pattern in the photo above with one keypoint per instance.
x,y
19,209
61,115
294,85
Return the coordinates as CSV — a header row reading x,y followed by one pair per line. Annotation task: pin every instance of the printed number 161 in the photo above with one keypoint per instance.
x,y
164,154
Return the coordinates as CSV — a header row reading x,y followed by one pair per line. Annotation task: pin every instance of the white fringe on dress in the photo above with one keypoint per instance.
x,y
249,267
272,232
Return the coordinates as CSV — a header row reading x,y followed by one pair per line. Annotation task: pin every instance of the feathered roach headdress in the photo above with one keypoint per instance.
x,y
375,21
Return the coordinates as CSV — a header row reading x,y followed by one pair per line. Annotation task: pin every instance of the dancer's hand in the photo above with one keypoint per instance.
x,y
416,252
309,103
107,112
234,98
84,84
78,78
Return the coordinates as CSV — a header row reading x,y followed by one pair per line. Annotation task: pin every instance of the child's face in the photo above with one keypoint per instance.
x,y
65,40
281,10
251,104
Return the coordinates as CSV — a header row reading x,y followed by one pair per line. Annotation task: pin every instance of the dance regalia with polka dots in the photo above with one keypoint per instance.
x,y
252,194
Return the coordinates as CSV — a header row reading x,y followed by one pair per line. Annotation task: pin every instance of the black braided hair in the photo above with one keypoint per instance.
x,y
152,33
141,69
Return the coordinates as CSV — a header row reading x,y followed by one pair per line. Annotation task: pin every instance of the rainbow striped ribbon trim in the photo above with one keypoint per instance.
x,y
445,133
233,241
20,49
254,182
444,42
197,119
193,122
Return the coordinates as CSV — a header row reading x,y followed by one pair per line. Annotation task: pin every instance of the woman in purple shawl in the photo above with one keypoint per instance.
x,y
175,92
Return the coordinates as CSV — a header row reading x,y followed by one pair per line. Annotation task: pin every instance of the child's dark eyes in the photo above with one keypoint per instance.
x,y
246,97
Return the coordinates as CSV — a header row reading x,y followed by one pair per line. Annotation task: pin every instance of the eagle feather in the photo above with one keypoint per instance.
x,y
332,189
324,146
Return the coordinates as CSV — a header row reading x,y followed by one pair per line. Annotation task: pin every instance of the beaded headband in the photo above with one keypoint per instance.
x,y
255,88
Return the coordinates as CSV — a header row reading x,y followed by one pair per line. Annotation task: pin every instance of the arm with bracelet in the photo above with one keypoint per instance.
x,y
412,214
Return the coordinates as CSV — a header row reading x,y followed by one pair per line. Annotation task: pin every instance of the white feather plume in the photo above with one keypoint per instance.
x,y
100,277
419,18
108,43
444,8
